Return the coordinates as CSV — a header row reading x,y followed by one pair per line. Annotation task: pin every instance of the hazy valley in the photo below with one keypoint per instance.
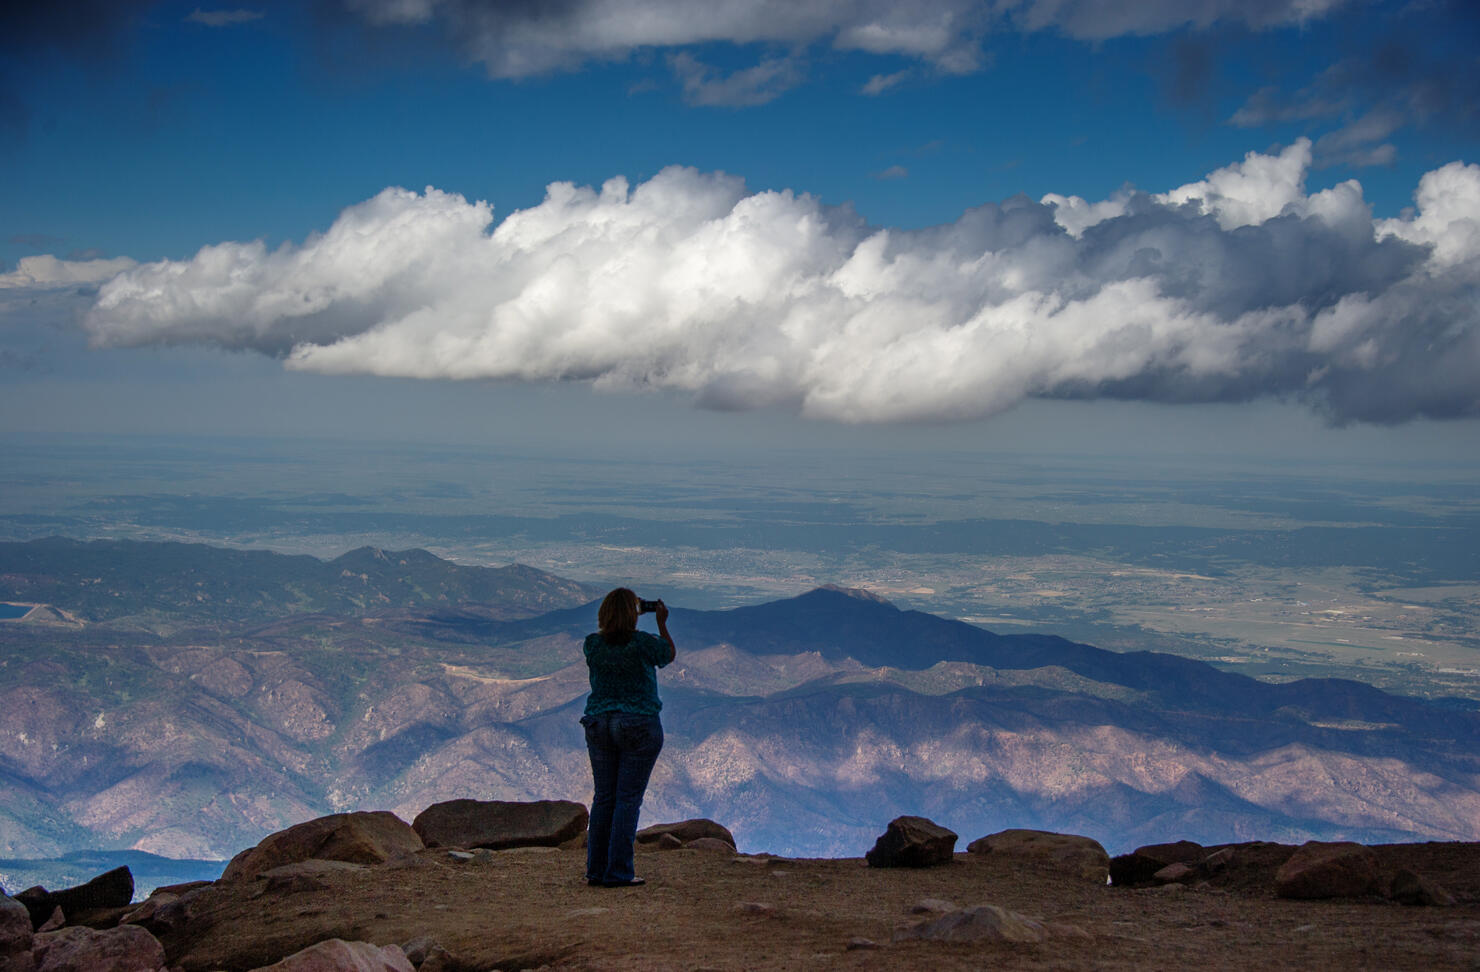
x,y
145,711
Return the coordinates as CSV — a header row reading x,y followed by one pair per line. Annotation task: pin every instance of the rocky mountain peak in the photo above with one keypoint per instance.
x,y
857,593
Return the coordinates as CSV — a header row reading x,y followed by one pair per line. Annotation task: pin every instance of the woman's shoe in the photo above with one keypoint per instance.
x,y
624,884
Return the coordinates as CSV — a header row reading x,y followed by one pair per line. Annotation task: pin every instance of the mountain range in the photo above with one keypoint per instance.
x,y
186,700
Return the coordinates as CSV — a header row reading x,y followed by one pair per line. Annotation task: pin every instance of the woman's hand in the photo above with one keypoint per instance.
x,y
662,614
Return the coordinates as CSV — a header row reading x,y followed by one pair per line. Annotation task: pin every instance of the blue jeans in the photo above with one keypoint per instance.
x,y
623,747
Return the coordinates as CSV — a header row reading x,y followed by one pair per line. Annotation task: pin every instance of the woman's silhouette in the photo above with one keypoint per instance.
x,y
623,732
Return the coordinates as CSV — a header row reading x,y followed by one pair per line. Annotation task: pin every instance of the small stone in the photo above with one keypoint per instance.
x,y
931,906
861,944
460,855
984,922
586,912
758,908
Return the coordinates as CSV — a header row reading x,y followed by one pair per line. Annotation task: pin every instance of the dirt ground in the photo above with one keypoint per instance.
x,y
706,910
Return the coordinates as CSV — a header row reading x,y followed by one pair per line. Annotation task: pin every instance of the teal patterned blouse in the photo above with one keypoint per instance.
x,y
624,678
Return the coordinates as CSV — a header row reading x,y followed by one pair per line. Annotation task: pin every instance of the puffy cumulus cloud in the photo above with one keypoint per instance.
x,y
528,37
49,271
1237,286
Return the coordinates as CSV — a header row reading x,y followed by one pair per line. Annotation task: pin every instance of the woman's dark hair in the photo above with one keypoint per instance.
x,y
617,615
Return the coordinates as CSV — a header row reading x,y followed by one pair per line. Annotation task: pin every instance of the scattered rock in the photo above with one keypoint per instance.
x,y
912,842
499,824
363,837
127,948
460,855
1413,889
687,831
111,889
337,955
1174,874
711,844
861,944
975,924
669,842
1082,857
1328,870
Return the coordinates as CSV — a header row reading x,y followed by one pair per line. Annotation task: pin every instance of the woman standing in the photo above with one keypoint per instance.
x,y
623,732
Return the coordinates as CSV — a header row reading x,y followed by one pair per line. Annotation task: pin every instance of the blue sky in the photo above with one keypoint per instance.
x,y
138,132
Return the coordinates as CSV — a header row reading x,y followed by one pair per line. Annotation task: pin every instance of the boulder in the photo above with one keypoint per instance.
x,y
982,923
912,842
111,889
686,831
1328,870
127,948
1414,889
366,837
1081,857
498,825
15,930
337,955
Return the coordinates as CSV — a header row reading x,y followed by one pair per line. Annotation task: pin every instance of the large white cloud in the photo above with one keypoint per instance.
x,y
1235,286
